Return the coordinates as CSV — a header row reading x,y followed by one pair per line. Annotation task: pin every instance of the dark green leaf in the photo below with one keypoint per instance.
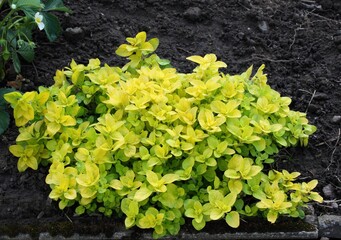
x,y
27,3
52,26
56,5
11,38
30,11
25,29
16,62
26,51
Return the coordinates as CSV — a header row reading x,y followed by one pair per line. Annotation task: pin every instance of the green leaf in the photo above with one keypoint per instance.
x,y
70,194
62,204
272,216
169,178
130,207
188,163
129,222
152,178
27,3
16,62
235,186
146,46
230,199
212,142
259,194
155,43
116,184
232,219
260,145
211,162
239,204
282,141
201,169
230,173
26,51
215,195
198,225
123,51
210,175
163,62
56,5
142,194
148,221
80,210
52,26
30,12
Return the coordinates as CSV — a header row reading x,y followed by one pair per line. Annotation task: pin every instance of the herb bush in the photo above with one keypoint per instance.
x,y
155,146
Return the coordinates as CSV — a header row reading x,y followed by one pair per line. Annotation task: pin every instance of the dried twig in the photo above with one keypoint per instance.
x,y
242,5
335,147
295,34
324,205
68,217
35,69
323,17
311,99
332,201
261,57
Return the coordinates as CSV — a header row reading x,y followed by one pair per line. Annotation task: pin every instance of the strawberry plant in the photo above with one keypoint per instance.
x,y
19,19
155,146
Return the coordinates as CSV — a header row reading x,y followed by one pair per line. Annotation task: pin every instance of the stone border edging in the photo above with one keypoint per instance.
x,y
322,226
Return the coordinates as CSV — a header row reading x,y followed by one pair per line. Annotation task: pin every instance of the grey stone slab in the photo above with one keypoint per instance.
x,y
285,229
329,226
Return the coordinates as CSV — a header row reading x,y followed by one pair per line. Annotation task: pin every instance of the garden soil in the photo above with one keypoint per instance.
x,y
299,41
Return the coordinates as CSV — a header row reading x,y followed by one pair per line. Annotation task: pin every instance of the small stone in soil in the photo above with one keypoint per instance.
x,y
241,35
263,26
334,205
193,14
74,34
336,119
328,191
337,39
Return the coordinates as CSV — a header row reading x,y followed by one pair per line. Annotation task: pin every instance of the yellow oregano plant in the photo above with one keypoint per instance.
x,y
154,146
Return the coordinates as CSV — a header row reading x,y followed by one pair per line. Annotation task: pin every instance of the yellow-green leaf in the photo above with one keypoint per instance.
x,y
122,51
232,219
235,186
142,194
70,194
272,216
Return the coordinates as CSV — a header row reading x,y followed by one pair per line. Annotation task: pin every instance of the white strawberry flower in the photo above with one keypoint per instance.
x,y
39,20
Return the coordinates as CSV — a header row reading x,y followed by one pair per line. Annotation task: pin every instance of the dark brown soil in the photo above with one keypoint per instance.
x,y
298,40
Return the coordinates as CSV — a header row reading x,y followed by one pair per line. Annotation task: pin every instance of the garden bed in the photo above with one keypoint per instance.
x,y
299,42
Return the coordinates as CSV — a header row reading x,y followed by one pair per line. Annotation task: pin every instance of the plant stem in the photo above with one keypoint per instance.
x,y
6,18
20,18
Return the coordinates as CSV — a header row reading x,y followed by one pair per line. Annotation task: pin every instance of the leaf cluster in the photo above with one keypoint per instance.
x,y
155,146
